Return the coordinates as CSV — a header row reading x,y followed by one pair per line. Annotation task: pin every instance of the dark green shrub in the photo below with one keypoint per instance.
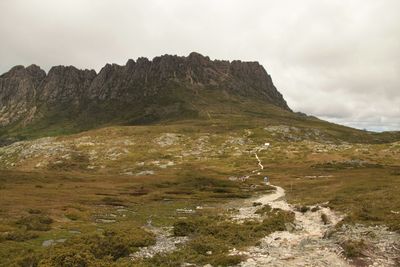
x,y
227,260
110,245
204,244
222,190
98,250
302,209
18,235
112,201
65,256
184,228
324,218
265,209
315,209
34,211
276,222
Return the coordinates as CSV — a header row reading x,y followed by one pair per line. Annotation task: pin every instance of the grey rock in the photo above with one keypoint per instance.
x,y
136,92
48,243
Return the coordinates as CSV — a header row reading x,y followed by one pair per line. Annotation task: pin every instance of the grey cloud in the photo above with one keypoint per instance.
x,y
335,59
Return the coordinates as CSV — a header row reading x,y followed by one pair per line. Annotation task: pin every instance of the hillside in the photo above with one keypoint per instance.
x,y
142,91
163,163
120,189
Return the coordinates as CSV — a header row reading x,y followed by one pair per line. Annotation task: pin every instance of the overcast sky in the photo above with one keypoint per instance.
x,y
338,60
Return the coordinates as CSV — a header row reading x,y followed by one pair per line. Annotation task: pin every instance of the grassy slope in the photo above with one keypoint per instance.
x,y
177,105
83,199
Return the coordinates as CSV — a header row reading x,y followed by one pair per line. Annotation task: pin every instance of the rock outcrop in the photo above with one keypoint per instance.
x,y
140,89
18,89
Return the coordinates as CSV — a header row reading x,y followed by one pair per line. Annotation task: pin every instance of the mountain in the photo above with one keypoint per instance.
x,y
154,149
141,91
167,89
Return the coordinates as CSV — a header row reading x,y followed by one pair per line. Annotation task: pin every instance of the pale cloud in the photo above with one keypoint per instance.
x,y
338,60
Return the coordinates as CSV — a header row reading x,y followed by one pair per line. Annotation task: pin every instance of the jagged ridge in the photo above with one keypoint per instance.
x,y
140,89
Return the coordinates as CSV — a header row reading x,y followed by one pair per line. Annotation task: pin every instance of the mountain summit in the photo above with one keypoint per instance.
x,y
141,91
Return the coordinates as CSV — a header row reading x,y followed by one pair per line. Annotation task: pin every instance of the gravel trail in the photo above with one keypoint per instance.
x,y
303,244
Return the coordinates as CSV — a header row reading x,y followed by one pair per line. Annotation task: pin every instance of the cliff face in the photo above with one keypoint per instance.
x,y
27,94
18,89
65,85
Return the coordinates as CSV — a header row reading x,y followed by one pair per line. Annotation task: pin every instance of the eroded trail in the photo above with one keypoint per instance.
x,y
303,244
313,239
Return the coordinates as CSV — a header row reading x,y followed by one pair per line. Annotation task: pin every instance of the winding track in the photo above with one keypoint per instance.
x,y
304,245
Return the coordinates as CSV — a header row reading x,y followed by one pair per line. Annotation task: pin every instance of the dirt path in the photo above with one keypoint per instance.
x,y
304,242
301,245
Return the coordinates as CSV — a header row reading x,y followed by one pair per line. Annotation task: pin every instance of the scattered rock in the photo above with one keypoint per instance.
x,y
145,173
166,242
48,243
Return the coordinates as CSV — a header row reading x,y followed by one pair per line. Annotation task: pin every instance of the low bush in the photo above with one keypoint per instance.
x,y
204,244
94,249
18,235
27,260
184,228
34,211
72,256
112,201
276,222
353,248
202,250
265,209
302,209
324,218
35,222
315,209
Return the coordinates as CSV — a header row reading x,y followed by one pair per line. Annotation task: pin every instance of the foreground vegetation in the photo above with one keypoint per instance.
x,y
88,199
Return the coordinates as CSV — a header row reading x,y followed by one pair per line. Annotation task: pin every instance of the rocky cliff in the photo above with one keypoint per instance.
x,y
138,91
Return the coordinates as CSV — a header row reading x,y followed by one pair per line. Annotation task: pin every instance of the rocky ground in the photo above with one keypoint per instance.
x,y
307,244
381,246
166,242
